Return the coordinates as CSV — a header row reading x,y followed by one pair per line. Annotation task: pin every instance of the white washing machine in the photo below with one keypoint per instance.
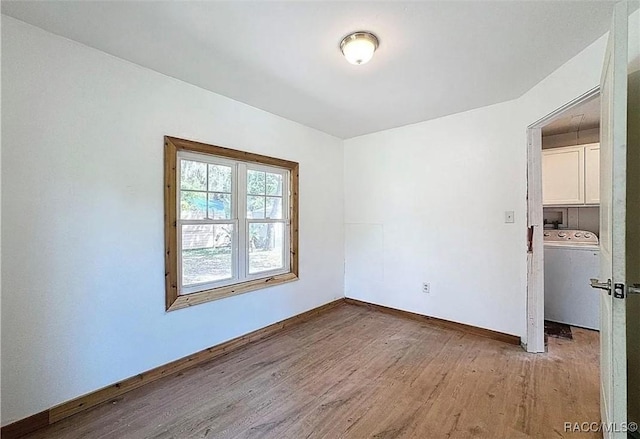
x,y
571,258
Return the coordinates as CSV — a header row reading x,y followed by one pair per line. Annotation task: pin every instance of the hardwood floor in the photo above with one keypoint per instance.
x,y
358,373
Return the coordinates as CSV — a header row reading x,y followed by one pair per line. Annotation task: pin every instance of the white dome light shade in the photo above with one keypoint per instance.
x,y
358,47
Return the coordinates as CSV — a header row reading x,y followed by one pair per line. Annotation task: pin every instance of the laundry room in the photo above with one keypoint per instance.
x,y
571,217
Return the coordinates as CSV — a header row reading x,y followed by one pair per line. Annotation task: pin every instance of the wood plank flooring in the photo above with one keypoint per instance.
x,y
358,373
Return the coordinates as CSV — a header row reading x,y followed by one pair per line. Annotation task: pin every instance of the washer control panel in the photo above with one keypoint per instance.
x,y
570,236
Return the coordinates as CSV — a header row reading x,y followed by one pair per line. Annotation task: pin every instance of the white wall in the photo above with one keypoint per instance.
x,y
426,202
82,226
584,218
573,138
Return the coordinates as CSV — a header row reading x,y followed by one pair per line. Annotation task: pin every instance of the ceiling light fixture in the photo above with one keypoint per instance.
x,y
358,47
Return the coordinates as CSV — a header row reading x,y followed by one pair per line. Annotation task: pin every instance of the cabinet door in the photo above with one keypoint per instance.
x,y
563,175
592,173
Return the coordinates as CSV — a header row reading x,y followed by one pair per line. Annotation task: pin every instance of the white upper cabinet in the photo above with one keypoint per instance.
x,y
571,175
592,173
563,175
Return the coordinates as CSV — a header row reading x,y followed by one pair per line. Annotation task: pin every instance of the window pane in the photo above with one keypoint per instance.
x,y
255,182
274,184
219,178
193,205
265,247
193,175
206,253
274,208
219,206
255,207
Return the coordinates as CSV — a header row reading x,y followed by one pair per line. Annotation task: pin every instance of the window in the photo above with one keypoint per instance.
x,y
230,222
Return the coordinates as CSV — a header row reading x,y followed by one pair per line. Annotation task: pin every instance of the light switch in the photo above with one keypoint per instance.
x,y
509,217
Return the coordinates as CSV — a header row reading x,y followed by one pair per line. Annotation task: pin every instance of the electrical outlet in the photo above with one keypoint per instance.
x,y
426,288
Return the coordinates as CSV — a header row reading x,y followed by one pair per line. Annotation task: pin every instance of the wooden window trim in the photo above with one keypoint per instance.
x,y
174,300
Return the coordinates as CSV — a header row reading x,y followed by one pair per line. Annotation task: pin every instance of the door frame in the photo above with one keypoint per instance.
x,y
535,226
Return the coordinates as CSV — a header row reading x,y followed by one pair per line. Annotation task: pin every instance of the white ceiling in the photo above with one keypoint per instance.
x,y
435,58
579,118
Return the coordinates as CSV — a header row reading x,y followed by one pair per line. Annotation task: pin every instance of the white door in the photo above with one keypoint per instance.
x,y
613,154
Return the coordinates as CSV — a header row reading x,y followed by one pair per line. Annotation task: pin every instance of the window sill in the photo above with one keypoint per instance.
x,y
187,300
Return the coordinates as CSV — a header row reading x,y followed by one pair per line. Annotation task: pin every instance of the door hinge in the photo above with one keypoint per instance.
x,y
618,291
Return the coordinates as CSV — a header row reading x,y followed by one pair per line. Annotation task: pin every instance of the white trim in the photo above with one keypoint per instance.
x,y
266,273
206,221
266,168
535,261
242,214
206,158
557,113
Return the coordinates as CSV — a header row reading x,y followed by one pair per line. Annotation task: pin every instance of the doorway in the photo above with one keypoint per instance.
x,y
561,212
